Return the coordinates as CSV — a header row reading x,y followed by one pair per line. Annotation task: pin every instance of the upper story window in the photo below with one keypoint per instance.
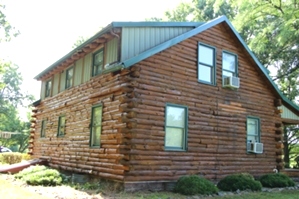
x,y
229,64
96,126
69,77
206,64
176,123
98,62
61,126
48,88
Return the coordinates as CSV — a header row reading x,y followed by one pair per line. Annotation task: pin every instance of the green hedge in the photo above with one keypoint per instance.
x,y
191,185
10,157
242,181
276,180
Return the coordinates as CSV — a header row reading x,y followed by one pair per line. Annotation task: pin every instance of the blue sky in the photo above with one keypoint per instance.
x,y
49,28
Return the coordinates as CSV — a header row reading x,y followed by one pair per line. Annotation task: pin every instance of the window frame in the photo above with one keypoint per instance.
x,y
48,90
93,62
185,136
68,79
236,64
258,135
60,118
213,67
43,128
92,131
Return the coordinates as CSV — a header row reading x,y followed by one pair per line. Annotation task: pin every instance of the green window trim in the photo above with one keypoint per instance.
x,y
176,127
69,77
43,129
206,68
96,126
98,62
226,69
61,126
48,88
253,129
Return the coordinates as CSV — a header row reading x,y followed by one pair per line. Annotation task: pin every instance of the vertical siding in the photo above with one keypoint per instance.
x,y
287,113
139,39
87,67
62,81
78,72
43,90
55,84
111,51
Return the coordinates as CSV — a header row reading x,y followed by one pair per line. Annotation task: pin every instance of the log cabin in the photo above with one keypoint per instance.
x,y
144,103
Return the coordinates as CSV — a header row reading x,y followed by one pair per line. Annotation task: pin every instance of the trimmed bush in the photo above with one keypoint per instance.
x,y
40,175
242,181
29,171
11,157
191,185
276,180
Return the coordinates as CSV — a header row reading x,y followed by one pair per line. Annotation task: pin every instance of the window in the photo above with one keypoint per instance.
x,y
98,62
253,130
206,64
96,126
69,78
61,126
48,88
43,129
176,123
229,64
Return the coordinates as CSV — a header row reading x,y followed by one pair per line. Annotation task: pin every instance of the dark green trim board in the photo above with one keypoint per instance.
x,y
184,128
96,125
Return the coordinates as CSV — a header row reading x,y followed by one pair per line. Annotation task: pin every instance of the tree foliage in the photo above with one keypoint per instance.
x,y
6,30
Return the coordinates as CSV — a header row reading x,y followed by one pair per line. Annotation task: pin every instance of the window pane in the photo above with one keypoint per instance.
x,y
252,126
227,74
229,62
174,137
206,55
96,136
175,117
205,73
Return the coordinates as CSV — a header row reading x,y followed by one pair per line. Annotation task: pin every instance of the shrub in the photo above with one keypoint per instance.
x,y
276,180
26,156
40,175
11,158
240,181
191,185
30,170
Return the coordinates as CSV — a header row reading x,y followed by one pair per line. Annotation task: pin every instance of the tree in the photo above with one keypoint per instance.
x,y
6,30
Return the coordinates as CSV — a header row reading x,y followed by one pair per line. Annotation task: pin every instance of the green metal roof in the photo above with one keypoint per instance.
x,y
117,25
199,29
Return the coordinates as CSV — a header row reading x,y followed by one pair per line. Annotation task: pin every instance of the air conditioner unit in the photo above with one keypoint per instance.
x,y
255,147
231,82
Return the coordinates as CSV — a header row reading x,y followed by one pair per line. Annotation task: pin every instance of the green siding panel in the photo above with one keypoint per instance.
x,y
136,40
78,72
43,90
111,51
87,67
62,81
288,114
55,88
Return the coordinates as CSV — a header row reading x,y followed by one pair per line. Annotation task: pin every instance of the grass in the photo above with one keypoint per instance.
x,y
7,190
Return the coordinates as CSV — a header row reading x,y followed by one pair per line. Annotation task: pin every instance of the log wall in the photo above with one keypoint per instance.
x,y
72,151
217,116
